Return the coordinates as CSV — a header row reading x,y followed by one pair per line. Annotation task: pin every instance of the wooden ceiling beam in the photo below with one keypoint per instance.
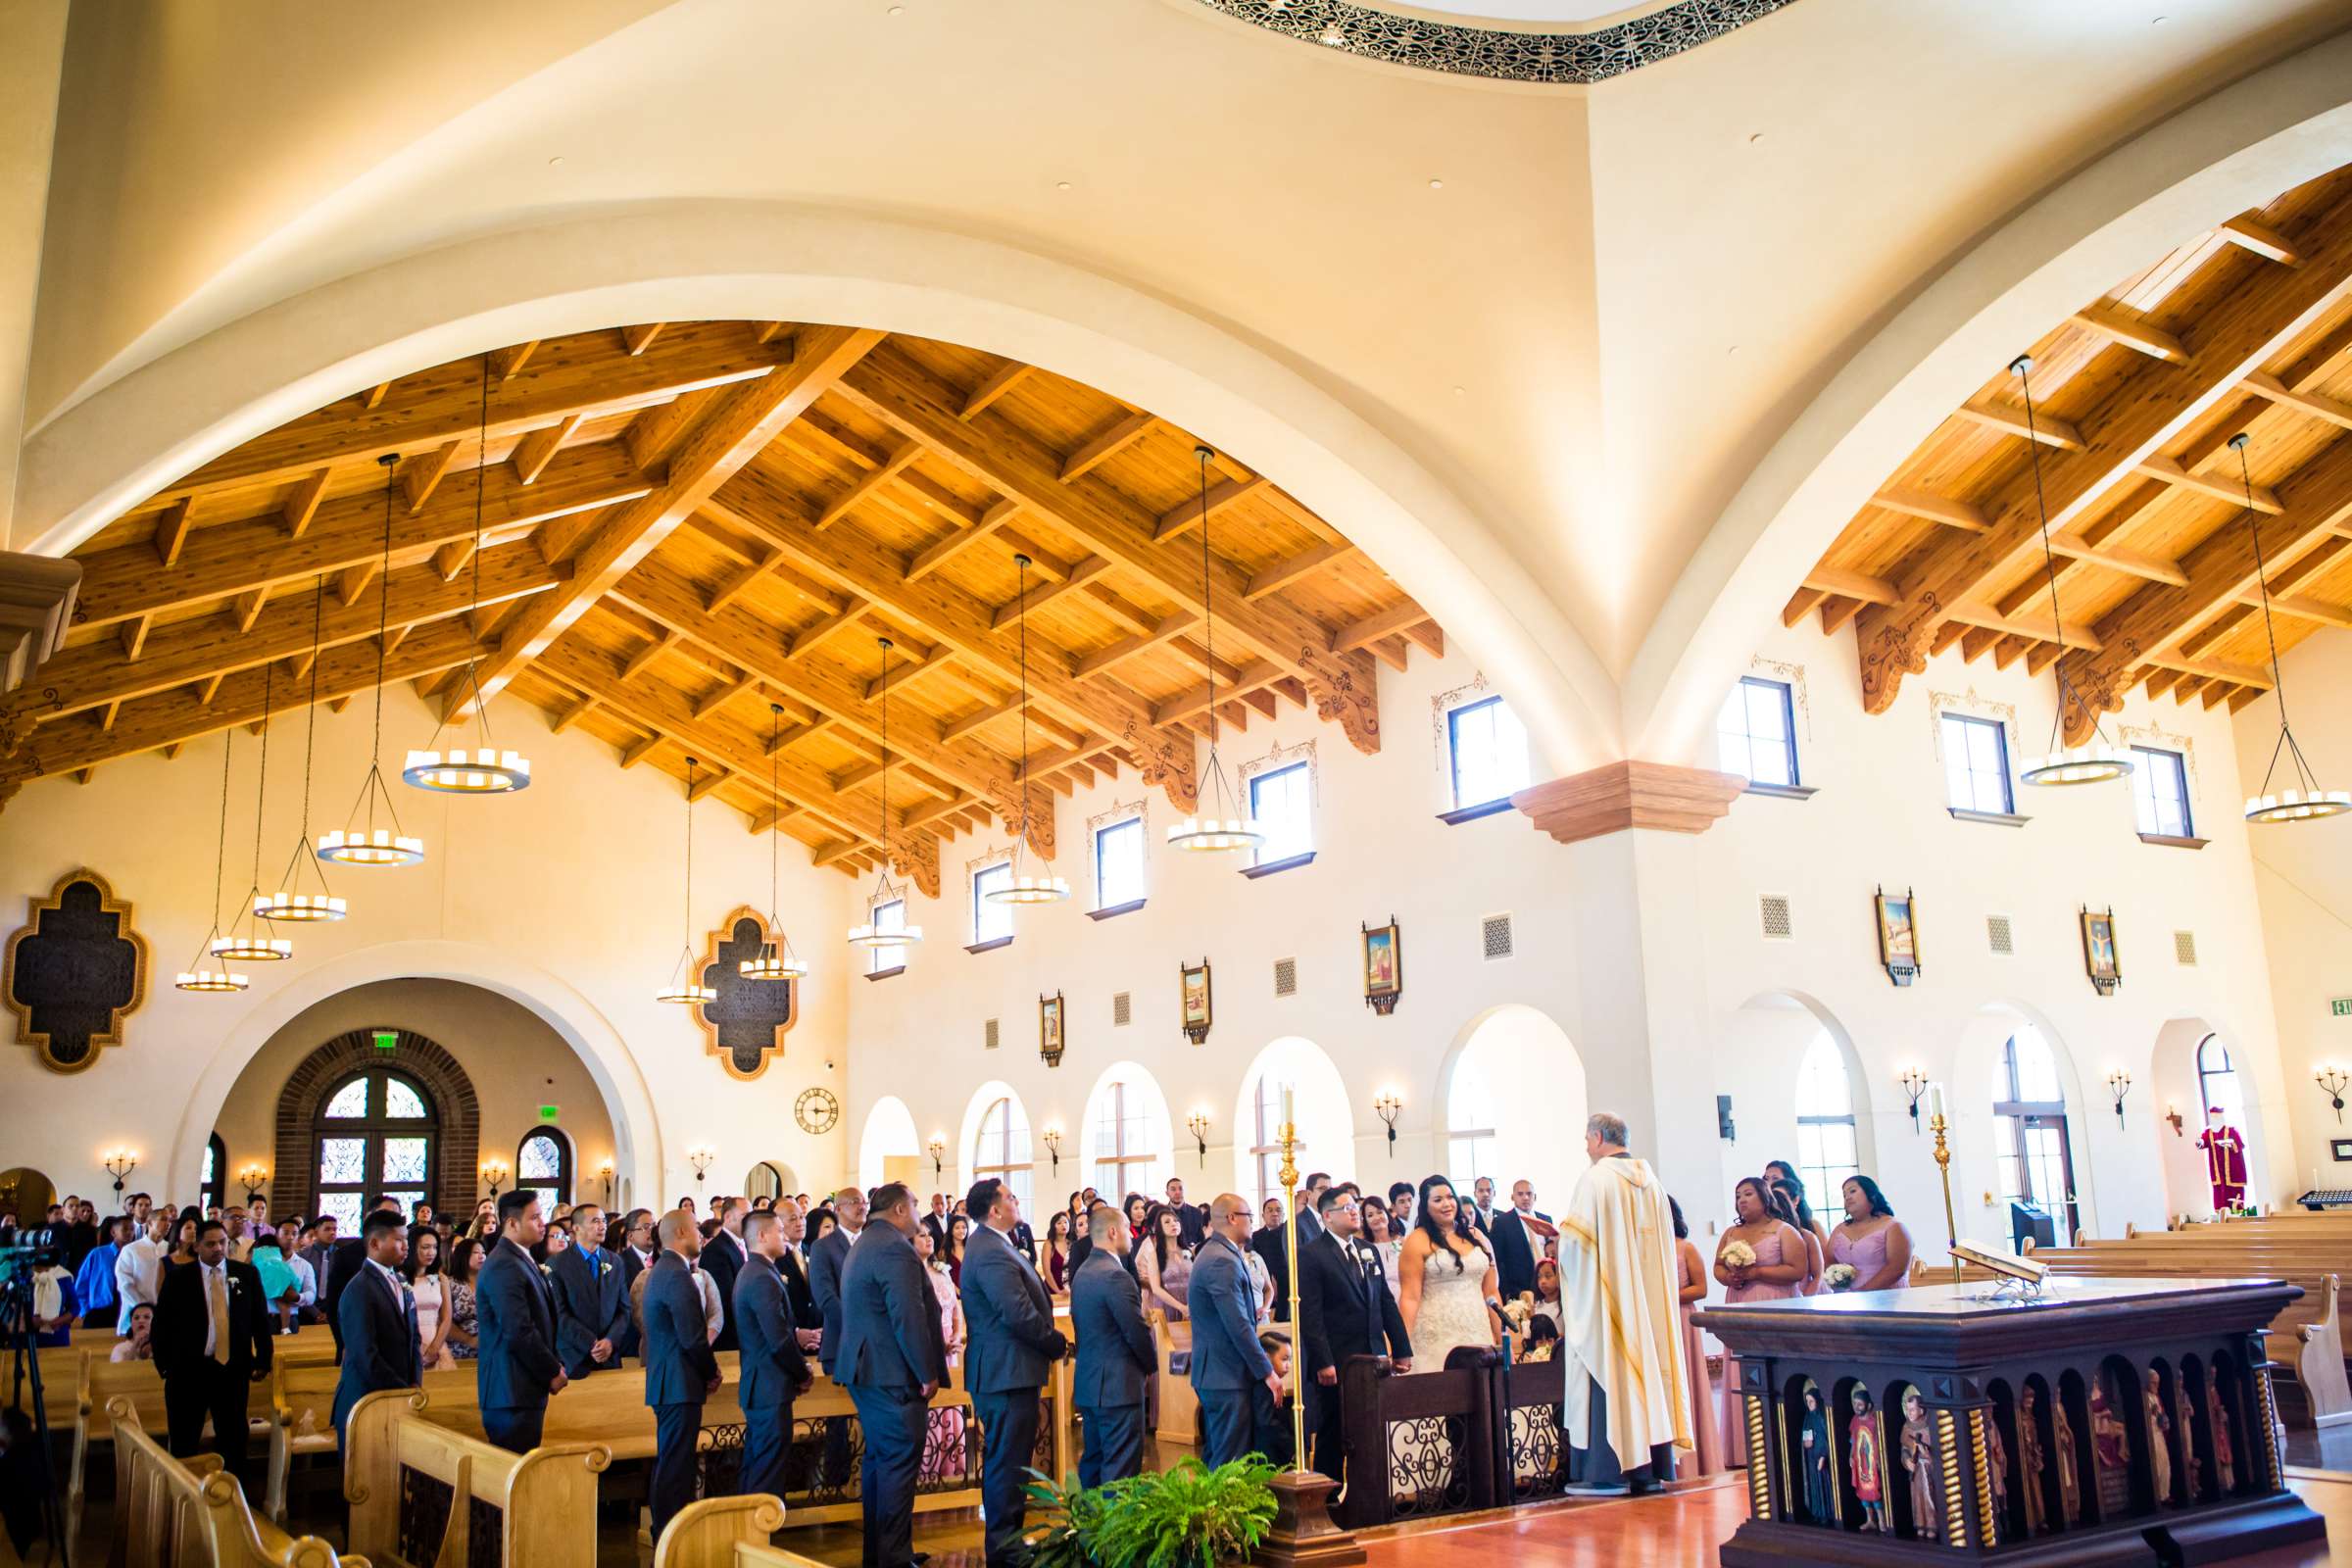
x,y
1951,514
735,432
2334,411
2249,233
579,707
844,619
637,339
996,386
1184,515
2150,407
893,464
1281,574
2236,674
1801,604
422,474
171,531
1382,623
933,556
1121,435
1079,576
530,456
2011,419
1142,642
2131,332
2024,623
2220,487
303,505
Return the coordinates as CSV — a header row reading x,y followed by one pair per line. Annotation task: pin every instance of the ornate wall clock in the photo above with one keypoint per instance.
x,y
817,1111
73,973
746,1021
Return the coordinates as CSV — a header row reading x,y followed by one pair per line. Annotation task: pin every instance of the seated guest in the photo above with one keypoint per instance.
x,y
212,1338
592,1305
94,1280
382,1342
1161,1266
1872,1240
464,1260
1270,1414
137,1343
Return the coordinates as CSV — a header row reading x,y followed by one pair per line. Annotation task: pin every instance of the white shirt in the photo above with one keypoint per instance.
x,y
138,1268
305,1277
715,1312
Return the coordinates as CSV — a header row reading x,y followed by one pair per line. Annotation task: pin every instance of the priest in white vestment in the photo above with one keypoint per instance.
x,y
1627,1409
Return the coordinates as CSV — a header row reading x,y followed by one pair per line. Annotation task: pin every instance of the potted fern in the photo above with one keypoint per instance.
x,y
1188,1516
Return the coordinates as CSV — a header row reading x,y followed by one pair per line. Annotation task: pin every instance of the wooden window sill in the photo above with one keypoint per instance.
x,y
1109,910
2172,841
1285,864
1996,818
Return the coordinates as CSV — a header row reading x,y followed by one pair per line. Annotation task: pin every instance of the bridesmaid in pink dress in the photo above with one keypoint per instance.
x,y
1871,1240
1774,1276
1709,1455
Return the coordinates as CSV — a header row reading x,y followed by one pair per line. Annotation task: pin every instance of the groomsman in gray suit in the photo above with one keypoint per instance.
x,y
1114,1355
890,1357
1012,1346
1227,1359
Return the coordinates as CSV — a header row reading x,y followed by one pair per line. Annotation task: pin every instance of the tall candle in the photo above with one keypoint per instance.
x,y
1935,1099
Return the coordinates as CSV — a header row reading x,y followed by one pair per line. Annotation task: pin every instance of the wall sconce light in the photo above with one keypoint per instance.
x,y
122,1162
1053,1137
605,1170
699,1157
1198,1124
2119,1084
2171,1114
494,1171
1914,1084
2331,1081
253,1178
939,1150
1387,1108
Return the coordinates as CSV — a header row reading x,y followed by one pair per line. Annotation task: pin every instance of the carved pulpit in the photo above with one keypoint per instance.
x,y
2109,1421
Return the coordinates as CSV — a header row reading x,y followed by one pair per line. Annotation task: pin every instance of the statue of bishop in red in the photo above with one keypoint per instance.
x,y
2225,1161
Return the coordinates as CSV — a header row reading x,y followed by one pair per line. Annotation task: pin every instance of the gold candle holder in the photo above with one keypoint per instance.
x,y
1943,1169
1297,1378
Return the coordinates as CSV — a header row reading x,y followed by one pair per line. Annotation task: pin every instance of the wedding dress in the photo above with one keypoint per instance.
x,y
1454,1307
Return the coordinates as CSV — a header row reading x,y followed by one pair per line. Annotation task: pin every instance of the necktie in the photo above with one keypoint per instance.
x,y
219,1287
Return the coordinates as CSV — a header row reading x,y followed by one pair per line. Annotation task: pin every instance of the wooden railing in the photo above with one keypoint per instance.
x,y
423,1495
189,1514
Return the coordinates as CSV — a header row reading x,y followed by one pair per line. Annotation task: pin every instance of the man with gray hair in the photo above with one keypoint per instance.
x,y
1626,1406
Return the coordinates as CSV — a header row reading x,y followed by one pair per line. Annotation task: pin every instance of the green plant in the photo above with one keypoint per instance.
x,y
1064,1516
1188,1516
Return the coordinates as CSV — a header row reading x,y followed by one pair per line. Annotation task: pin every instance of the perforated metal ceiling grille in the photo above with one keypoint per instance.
x,y
1286,977
1777,923
2184,949
1997,935
1495,936
1122,1009
988,1034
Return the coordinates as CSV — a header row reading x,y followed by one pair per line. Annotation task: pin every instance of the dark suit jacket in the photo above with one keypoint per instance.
x,y
722,1260
678,1362
887,1334
1273,1249
1024,1240
937,1225
1114,1347
797,1295
381,1347
1009,1336
1194,1220
631,1266
181,1316
514,1318
774,1364
1516,1253
343,1265
589,1306
1223,1307
827,1260
1343,1311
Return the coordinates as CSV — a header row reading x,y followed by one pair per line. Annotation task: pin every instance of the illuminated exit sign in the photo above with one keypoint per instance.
x,y
386,1039
2341,1006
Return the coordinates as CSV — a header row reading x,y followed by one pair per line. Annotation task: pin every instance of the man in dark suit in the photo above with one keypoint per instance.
x,y
592,1303
1115,1355
827,1260
680,1371
887,1352
344,1263
1192,1216
935,1220
1519,1233
775,1369
1012,1346
1227,1359
792,1265
723,1260
1344,1311
517,1368
632,1237
211,1338
381,1347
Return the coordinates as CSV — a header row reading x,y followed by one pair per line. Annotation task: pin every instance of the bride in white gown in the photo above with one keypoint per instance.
x,y
1445,1279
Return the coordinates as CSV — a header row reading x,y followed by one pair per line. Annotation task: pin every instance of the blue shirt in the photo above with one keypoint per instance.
x,y
94,1285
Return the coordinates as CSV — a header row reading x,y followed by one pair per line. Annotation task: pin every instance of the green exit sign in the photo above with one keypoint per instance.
x,y
547,1113
386,1039
2341,1006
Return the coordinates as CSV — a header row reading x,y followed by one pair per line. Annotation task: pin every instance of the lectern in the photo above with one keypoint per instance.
x,y
2105,1421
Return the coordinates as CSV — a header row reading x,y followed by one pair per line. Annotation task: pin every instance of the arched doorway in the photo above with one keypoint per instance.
x,y
1798,1095
1319,1109
27,1194
1511,1105
1127,1134
2016,1104
889,1149
2194,1067
770,1178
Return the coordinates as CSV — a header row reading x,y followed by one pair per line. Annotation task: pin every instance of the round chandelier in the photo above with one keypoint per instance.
x,y
775,959
290,903
685,984
2303,800
1227,826
485,770
200,976
364,842
245,941
1023,887
871,933
2097,761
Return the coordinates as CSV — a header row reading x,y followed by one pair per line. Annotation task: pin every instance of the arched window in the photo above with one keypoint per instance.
x,y
889,1148
1000,1147
1513,1106
216,1173
1473,1136
376,1133
2029,1109
1319,1109
1127,1133
1827,1153
2218,1085
543,1166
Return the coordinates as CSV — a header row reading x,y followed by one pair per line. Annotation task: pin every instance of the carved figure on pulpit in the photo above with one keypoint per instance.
x,y
1996,1459
2160,1427
2225,1453
2185,1423
2069,1476
2029,1460
2110,1453
1821,1494
2225,1161
1919,1463
1867,1471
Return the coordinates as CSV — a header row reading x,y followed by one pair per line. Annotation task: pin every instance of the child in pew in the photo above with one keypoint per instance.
x,y
1269,1418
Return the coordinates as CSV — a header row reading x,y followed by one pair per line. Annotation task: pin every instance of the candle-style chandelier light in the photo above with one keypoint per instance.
x,y
1226,826
871,932
1023,887
775,959
685,986
247,940
364,842
290,904
2303,800
201,976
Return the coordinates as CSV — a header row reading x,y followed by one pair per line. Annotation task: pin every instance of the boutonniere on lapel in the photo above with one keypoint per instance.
x,y
546,1270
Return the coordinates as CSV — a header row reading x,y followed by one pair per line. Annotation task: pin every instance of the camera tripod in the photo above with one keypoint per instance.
x,y
16,1323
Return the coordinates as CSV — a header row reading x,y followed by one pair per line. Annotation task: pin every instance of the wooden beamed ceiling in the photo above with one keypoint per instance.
x,y
693,535
2135,398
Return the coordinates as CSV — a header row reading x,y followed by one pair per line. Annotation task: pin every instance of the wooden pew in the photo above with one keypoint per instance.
x,y
709,1534
190,1514
302,1415
544,1501
1179,1407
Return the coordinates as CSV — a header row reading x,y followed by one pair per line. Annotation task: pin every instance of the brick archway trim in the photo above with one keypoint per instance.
x,y
425,1061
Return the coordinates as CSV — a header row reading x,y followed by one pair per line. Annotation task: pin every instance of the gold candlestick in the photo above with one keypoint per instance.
x,y
1943,1169
1297,1378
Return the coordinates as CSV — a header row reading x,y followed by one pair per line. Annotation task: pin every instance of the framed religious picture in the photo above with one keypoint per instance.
x,y
2098,951
1899,935
1384,967
1049,1038
1196,997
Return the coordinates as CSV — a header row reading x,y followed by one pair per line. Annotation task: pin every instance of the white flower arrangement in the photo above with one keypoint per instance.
x,y
1737,1254
1839,1276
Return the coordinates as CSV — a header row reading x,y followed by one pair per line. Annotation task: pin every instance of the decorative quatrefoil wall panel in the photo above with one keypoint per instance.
x,y
75,971
748,1019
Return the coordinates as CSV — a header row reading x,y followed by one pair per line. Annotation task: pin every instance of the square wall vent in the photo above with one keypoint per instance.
x,y
1286,977
1494,937
1997,936
1122,1009
988,1035
1779,926
2184,949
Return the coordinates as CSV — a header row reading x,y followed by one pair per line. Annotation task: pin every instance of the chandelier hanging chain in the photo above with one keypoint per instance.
x,y
261,785
473,616
1021,565
1209,608
775,805
2270,627
228,743
310,741
686,912
2049,560
383,622
885,759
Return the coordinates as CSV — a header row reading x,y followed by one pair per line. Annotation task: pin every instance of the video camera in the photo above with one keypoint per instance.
x,y
27,1249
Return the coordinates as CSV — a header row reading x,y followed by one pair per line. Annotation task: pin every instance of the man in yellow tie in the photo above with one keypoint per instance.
x,y
212,1340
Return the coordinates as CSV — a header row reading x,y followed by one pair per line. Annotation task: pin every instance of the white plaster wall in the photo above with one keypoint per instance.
x,y
565,897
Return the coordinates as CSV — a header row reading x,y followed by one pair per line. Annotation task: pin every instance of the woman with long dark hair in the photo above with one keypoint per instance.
x,y
1445,1279
1162,1266
959,1228
421,1269
465,1258
1760,1258
1138,1209
1782,1176
1872,1242
1705,1434
1058,1254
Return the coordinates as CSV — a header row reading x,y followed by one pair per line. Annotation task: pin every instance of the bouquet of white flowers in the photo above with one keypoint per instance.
x,y
1839,1276
1737,1254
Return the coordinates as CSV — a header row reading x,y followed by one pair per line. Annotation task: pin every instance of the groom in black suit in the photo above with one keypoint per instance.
x,y
1345,1310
